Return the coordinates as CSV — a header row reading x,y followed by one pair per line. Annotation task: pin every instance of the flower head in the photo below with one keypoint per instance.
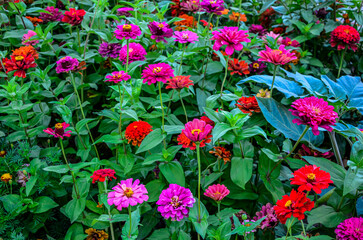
x,y
136,53
2,153
125,11
187,22
190,5
25,51
117,77
174,202
294,205
6,177
160,31
306,151
73,16
263,93
59,130
127,31
111,50
314,112
54,15
216,192
34,20
279,56
23,178
248,105
230,36
265,17
94,234
310,178
26,38
288,42
185,37
213,6
205,23
273,35
101,175
222,153
160,72
345,36
237,17
127,193
179,82
66,64
207,120
176,8
19,64
257,29
238,67
350,229
257,67
197,130
271,219
137,131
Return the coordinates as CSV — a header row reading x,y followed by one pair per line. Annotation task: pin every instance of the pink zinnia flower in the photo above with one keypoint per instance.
x,y
160,31
288,42
160,72
197,130
345,36
136,53
66,64
185,37
217,192
125,12
59,130
174,202
190,5
279,56
230,36
117,77
54,15
127,31
28,36
127,193
350,229
314,112
274,36
257,29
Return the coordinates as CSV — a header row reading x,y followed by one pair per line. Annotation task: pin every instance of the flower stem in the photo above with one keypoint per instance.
x,y
341,61
88,34
109,213
127,56
185,112
303,227
130,221
162,110
336,148
289,228
224,80
219,206
25,128
273,79
181,60
171,98
199,178
120,121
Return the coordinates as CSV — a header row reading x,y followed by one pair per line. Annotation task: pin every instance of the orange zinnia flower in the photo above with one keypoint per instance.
x,y
222,153
188,22
235,17
25,51
34,20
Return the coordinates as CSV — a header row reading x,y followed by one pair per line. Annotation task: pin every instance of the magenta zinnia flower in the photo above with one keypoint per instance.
x,y
127,193
125,11
160,31
66,64
279,56
185,37
127,31
213,6
190,5
197,130
174,202
314,112
136,53
27,37
59,130
257,29
54,15
350,229
271,219
274,36
288,42
230,36
117,77
160,72
217,192
111,50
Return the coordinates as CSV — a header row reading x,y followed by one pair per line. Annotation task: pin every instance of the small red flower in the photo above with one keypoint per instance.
x,y
294,205
73,16
19,64
345,36
239,67
311,177
137,131
248,105
179,82
102,174
207,120
187,143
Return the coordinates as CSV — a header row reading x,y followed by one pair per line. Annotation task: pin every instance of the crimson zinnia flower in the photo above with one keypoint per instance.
x,y
345,36
248,105
238,67
311,177
73,16
19,64
208,120
179,82
102,174
137,131
294,205
230,36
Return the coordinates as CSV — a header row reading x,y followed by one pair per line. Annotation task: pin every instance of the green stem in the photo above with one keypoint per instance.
x,y
130,221
171,98
289,228
109,214
224,79
219,206
340,203
121,95
199,178
273,80
162,110
336,148
70,169
21,17
181,60
303,227
25,128
341,61
185,112
240,5
79,38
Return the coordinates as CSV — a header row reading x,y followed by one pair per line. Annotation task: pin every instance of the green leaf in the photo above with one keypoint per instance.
x,y
74,231
219,130
173,172
154,189
30,184
201,225
326,216
150,141
114,139
44,204
57,169
11,202
135,221
74,208
80,125
241,171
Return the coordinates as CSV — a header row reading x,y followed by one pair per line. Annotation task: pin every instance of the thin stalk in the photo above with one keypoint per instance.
x,y
17,9
25,129
127,57
109,214
219,206
273,79
181,60
130,221
336,148
185,112
303,227
172,94
88,34
240,5
120,121
162,110
340,203
289,228
199,178
79,38
224,79
341,61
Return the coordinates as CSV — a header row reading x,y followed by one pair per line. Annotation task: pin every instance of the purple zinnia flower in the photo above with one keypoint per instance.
x,y
54,15
111,50
271,219
117,77
160,72
174,202
190,5
213,6
230,36
257,67
136,53
125,11
257,29
66,64
160,31
350,229
127,31
185,37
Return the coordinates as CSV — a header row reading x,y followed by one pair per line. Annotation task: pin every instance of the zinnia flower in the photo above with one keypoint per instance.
x,y
294,205
216,192
117,77
26,38
257,29
345,36
127,193
125,11
160,31
257,67
73,16
248,105
279,30
310,178
314,112
187,22
66,64
237,17
23,178
174,202
101,175
59,130
160,72
6,177
185,37
25,51
175,8
271,219
273,35
279,56
238,67
179,82
94,234
19,64
137,131
127,31
213,6
350,229
35,21
222,153
207,120
111,50
265,17
306,151
136,53
2,153
190,5
197,130
288,42
54,15
230,36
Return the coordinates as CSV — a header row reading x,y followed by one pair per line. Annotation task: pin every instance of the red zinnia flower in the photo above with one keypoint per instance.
x,y
279,30
101,175
205,23
137,131
248,105
19,64
73,16
207,120
345,36
187,143
239,67
294,205
179,82
26,50
311,177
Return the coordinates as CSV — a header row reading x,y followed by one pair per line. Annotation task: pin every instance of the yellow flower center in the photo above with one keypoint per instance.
x,y
160,25
311,176
128,192
19,58
196,130
289,43
256,65
58,126
126,27
131,50
347,31
317,110
185,36
157,69
288,203
278,51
